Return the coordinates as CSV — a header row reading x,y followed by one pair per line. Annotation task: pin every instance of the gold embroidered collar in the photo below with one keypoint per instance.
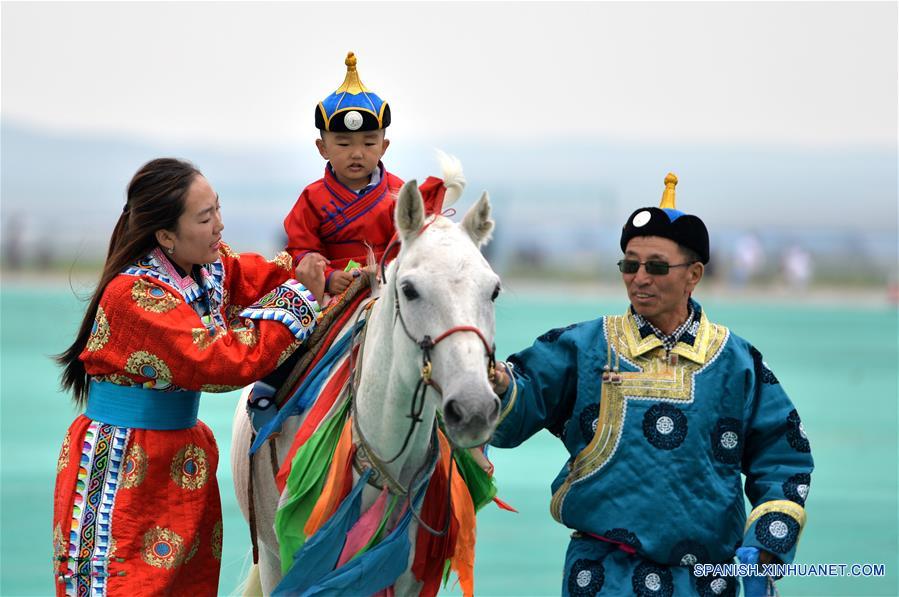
x,y
703,348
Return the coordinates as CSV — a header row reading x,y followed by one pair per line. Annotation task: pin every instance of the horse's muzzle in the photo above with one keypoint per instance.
x,y
470,417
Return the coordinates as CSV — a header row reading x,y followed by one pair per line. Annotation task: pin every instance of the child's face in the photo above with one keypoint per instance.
x,y
353,156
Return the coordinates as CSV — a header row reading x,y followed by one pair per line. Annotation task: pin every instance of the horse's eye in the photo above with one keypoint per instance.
x,y
495,293
409,292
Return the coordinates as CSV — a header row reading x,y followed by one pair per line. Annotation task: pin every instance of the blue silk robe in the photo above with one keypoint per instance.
x,y
656,454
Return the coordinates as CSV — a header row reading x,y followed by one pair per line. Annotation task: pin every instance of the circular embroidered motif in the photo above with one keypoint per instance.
x,y
203,339
193,549
117,378
217,540
796,488
727,442
553,335
650,580
777,531
586,578
688,553
163,548
623,536
148,365
588,420
153,298
664,426
189,467
796,433
232,316
247,337
135,469
716,586
63,459
761,369
99,335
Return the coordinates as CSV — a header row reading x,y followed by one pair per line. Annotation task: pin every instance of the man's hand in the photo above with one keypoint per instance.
x,y
310,273
501,379
339,281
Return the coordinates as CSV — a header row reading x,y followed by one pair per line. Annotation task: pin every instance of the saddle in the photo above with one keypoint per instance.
x,y
270,393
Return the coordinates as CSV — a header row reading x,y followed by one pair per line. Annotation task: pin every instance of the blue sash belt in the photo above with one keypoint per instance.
x,y
141,408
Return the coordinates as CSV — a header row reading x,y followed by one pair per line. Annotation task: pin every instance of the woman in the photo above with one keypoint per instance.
x,y
137,506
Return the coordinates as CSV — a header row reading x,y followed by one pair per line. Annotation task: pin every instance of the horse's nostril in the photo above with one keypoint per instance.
x,y
452,414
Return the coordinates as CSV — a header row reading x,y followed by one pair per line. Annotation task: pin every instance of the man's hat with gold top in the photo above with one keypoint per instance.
x,y
668,222
352,107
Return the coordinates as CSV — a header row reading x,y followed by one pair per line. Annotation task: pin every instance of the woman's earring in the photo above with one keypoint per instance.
x,y
170,251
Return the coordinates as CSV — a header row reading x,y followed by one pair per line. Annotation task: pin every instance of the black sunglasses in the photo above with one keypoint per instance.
x,y
653,268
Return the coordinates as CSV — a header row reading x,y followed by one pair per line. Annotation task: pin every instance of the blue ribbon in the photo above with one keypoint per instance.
x,y
753,586
308,390
312,571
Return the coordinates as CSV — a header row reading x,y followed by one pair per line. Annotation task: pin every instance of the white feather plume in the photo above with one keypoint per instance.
x,y
453,177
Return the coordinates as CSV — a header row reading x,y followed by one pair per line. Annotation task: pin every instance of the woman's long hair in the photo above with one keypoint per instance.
x,y
156,199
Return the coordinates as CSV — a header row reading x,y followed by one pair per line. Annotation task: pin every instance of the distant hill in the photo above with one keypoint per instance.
x,y
564,200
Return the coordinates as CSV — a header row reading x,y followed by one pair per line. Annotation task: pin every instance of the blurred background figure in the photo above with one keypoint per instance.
x,y
749,260
797,267
12,242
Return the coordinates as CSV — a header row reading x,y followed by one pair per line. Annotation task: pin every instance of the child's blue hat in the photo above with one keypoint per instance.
x,y
353,107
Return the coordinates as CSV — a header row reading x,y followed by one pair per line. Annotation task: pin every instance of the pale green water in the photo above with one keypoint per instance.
x,y
839,364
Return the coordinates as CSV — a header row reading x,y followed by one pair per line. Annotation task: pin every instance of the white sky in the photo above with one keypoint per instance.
x,y
238,73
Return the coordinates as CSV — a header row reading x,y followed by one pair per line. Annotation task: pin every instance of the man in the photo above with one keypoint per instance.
x,y
661,411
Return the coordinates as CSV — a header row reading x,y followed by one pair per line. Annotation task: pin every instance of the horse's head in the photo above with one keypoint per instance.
x,y
444,291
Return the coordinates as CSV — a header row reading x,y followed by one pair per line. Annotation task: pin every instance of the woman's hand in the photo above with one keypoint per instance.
x,y
311,273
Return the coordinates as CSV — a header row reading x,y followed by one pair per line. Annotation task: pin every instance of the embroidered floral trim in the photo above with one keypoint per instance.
x,y
190,469
99,332
149,365
135,470
153,298
163,548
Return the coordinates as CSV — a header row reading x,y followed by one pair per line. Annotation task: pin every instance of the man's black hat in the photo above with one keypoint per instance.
x,y
667,222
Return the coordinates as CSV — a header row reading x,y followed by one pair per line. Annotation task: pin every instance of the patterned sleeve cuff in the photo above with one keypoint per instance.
x,y
291,304
775,527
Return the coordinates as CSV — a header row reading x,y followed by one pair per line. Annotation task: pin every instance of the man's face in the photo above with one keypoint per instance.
x,y
353,156
662,299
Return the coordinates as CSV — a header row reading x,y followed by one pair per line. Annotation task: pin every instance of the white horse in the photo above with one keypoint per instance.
x,y
438,285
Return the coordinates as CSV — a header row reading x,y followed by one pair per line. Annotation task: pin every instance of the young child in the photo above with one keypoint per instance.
x,y
340,216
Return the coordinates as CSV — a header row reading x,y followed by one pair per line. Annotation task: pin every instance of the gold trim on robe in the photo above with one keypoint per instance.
x,y
658,379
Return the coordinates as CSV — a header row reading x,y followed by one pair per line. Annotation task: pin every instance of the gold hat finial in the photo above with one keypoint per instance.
x,y
668,194
351,84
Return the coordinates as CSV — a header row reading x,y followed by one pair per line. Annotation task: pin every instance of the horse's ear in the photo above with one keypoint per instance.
x,y
410,211
477,222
